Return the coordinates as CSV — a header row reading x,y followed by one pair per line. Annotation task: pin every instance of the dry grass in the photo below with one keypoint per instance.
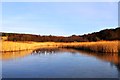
x,y
17,46
101,46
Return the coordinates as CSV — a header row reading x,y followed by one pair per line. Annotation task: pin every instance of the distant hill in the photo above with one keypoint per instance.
x,y
107,34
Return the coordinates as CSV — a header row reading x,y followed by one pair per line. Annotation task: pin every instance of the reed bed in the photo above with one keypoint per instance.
x,y
101,46
18,46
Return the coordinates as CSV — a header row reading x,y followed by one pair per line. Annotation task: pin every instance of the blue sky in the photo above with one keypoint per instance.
x,y
58,18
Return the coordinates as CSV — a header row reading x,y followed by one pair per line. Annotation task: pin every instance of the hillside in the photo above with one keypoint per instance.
x,y
107,34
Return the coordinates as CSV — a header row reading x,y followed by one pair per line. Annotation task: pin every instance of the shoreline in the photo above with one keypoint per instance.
x,y
100,46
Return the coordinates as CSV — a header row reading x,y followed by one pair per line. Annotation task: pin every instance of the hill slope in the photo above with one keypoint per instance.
x,y
107,34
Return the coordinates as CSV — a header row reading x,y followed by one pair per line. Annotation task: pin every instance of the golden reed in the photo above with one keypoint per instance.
x,y
100,46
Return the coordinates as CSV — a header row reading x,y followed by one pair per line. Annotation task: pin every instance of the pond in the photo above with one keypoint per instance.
x,y
60,63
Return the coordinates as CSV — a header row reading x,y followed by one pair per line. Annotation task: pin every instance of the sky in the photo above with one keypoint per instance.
x,y
58,18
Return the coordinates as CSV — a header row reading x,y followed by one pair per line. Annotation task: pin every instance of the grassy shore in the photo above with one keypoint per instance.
x,y
101,46
18,46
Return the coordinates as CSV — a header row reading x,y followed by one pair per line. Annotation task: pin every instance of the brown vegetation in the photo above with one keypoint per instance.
x,y
100,46
18,46
105,41
107,35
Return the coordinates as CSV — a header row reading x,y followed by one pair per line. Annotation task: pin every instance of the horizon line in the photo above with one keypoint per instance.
x,y
57,35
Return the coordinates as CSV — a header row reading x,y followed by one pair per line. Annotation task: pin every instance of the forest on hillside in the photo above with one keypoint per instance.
x,y
107,34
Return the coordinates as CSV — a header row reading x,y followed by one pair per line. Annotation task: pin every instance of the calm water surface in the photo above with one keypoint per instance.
x,y
60,63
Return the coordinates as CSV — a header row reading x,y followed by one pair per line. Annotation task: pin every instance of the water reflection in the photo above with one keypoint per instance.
x,y
46,51
71,63
114,58
14,55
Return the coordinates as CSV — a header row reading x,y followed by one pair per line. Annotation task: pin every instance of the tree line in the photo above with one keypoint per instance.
x,y
107,34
